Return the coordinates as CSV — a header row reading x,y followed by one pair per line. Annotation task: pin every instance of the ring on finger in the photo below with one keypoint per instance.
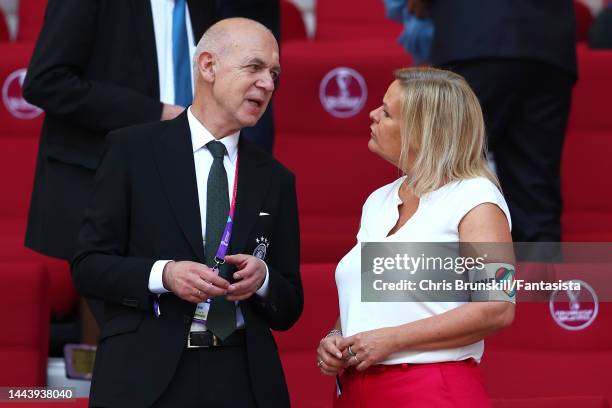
x,y
320,363
351,352
198,293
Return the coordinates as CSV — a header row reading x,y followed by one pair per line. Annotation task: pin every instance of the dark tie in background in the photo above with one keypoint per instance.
x,y
221,319
180,56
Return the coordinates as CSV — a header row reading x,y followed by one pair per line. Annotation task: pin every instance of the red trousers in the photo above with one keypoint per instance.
x,y
437,385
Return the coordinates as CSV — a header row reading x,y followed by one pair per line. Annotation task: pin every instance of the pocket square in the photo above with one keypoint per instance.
x,y
261,214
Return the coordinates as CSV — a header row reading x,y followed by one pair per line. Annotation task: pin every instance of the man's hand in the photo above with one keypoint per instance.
x,y
419,8
250,276
192,281
171,111
329,356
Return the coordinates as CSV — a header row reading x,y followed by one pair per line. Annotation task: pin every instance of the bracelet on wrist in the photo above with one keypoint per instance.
x,y
334,332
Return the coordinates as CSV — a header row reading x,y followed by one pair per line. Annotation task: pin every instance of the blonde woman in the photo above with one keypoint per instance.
x,y
420,354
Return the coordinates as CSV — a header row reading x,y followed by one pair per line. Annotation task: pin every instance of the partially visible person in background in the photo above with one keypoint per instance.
x,y
519,56
418,31
100,66
600,34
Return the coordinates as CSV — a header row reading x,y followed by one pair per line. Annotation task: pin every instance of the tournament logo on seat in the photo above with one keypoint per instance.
x,y
12,95
343,92
574,309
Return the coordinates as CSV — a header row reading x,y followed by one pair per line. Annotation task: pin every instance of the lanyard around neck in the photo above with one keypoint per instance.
x,y
229,225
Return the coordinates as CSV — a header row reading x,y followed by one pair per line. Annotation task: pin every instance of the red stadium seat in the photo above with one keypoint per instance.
x,y
307,65
587,214
24,318
584,18
297,347
292,23
74,403
17,117
331,188
19,135
354,20
335,171
63,296
31,16
553,402
4,32
538,358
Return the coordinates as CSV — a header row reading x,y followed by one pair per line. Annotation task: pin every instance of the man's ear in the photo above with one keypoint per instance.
x,y
207,65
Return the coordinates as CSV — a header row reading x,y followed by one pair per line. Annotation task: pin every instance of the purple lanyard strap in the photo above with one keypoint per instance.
x,y
229,225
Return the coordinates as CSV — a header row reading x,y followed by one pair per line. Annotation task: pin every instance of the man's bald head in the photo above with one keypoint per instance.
x,y
225,35
236,69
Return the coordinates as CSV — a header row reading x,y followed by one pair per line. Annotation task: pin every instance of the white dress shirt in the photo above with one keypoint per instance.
x,y
162,25
203,160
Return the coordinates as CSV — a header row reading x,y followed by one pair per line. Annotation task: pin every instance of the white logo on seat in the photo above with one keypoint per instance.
x,y
574,309
343,92
12,95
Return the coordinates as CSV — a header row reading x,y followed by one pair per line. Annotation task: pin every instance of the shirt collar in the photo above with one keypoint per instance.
x,y
200,136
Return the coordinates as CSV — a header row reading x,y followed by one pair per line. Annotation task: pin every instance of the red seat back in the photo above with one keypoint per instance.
x,y
292,23
586,187
297,347
584,18
31,17
24,318
4,33
354,20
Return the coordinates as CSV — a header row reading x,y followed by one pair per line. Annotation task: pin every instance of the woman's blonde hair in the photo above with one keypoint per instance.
x,y
442,124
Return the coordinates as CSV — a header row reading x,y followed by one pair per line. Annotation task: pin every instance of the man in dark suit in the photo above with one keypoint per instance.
x,y
519,57
94,69
175,333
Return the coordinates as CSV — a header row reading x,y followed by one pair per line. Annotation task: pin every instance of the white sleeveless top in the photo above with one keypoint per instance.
x,y
436,219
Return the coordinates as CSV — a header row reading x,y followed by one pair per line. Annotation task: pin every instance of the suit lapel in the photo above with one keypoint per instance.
x,y
253,184
143,22
174,157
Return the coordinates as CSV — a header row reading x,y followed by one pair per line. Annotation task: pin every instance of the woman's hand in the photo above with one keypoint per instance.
x,y
368,348
329,356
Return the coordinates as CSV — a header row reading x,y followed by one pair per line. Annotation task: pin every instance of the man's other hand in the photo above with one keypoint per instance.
x,y
193,281
250,276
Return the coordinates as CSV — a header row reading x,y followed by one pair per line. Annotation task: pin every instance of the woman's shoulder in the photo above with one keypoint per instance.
x,y
385,192
469,193
478,185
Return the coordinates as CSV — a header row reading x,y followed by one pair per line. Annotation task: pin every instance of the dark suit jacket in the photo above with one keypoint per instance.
x,y
94,69
537,30
267,12
145,208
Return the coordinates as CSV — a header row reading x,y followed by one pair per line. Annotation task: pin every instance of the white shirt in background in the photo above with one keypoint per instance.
x,y
162,24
